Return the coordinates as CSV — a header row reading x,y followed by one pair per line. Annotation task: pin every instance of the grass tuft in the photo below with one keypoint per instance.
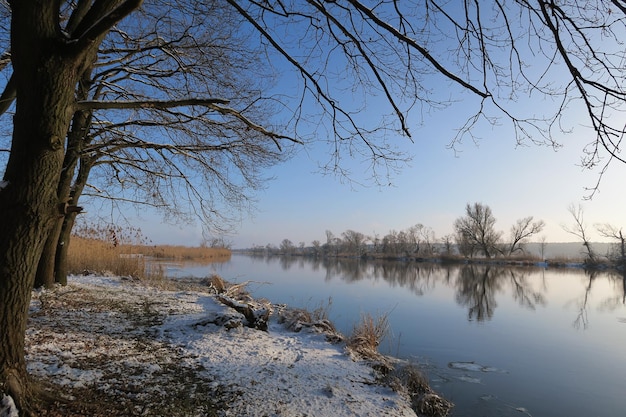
x,y
367,334
424,401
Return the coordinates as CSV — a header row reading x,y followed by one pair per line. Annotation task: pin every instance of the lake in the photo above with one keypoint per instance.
x,y
495,340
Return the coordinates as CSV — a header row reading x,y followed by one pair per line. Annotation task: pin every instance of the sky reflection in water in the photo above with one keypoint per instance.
x,y
551,341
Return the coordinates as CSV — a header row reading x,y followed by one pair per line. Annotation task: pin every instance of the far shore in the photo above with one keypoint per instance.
x,y
578,263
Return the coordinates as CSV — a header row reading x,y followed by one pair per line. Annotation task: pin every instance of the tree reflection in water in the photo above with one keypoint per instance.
x,y
476,286
612,302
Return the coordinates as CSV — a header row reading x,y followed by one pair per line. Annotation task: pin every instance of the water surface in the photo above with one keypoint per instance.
x,y
497,341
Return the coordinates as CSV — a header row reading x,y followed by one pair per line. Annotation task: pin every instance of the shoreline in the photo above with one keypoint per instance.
x,y
117,346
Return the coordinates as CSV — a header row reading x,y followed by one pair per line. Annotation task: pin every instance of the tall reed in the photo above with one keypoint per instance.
x,y
97,256
104,248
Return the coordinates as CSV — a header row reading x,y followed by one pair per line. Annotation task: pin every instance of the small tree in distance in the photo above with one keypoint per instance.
x,y
612,232
475,232
579,229
521,231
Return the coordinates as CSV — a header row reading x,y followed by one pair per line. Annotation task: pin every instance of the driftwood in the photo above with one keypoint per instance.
x,y
256,314
229,320
297,319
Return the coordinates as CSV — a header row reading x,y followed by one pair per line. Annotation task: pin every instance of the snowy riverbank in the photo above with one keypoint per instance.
x,y
119,347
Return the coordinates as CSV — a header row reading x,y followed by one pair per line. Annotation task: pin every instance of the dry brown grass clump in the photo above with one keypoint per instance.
x,y
364,341
408,379
367,335
424,400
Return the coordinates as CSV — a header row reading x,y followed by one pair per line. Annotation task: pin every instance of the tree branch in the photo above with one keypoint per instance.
x,y
413,44
146,104
99,20
8,95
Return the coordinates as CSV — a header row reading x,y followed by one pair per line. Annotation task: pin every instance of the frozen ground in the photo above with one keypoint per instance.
x,y
123,348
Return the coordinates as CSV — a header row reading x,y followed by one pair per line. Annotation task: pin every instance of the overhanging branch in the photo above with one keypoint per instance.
x,y
146,104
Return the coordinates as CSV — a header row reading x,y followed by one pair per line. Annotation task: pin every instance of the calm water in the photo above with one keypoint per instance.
x,y
497,341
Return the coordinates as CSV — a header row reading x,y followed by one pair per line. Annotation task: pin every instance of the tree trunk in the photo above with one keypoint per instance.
x,y
63,241
60,261
29,206
45,79
47,66
76,140
46,267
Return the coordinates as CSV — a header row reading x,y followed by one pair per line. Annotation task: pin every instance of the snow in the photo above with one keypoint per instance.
x,y
124,337
7,407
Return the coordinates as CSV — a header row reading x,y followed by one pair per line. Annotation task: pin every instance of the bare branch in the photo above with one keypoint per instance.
x,y
413,44
146,104
579,229
8,95
101,17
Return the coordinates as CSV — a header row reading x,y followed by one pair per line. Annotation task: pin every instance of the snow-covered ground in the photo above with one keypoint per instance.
x,y
171,351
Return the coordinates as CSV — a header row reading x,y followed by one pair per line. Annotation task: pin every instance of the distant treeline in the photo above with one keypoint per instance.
x,y
475,238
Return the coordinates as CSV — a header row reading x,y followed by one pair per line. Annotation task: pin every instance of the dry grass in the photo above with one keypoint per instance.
x,y
407,378
102,256
364,341
367,335
196,254
92,255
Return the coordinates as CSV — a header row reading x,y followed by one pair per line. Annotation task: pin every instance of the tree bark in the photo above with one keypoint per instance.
x,y
47,66
63,241
44,277
45,75
76,140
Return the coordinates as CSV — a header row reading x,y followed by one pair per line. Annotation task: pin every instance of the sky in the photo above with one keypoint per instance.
x,y
514,180
300,203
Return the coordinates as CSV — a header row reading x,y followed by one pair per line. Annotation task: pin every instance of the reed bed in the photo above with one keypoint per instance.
x,y
97,256
186,253
89,255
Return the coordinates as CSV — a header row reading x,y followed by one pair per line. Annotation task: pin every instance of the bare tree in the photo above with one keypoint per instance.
x,y
316,247
579,229
392,50
428,240
613,232
187,152
47,61
576,52
330,247
521,231
476,230
448,241
390,243
287,247
376,242
354,242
